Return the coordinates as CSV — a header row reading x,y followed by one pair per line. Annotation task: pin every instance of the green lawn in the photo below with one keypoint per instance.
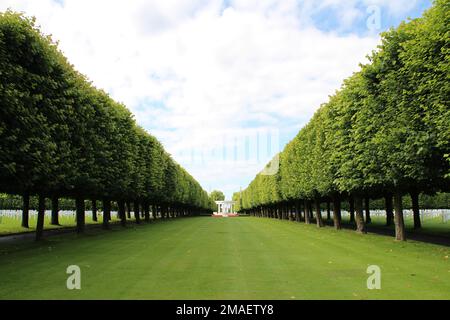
x,y
9,225
213,258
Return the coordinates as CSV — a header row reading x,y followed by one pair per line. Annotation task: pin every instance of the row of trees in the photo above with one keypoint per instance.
x,y
62,137
385,134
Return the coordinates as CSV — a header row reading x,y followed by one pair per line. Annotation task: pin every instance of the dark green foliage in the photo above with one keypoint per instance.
x,y
386,132
62,137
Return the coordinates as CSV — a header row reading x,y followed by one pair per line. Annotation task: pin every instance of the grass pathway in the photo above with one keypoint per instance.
x,y
235,258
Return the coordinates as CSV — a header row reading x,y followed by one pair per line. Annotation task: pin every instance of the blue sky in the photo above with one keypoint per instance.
x,y
326,19
223,85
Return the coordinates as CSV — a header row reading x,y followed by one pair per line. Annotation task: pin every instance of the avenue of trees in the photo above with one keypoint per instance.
x,y
60,137
384,135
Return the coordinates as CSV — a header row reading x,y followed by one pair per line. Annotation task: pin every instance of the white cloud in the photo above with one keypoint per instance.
x,y
195,72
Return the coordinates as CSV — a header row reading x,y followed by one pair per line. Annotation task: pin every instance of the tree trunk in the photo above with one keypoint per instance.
x,y
337,213
307,214
26,210
128,206
40,218
319,220
400,233
55,211
137,215
146,212
416,209
106,213
122,213
94,210
297,212
359,216
367,209
351,203
155,212
389,210
80,214
302,211
328,211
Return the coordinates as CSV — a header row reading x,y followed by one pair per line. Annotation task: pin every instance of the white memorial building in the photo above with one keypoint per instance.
x,y
225,208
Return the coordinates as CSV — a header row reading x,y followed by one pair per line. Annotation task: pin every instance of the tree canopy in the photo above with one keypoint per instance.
x,y
59,135
217,195
386,131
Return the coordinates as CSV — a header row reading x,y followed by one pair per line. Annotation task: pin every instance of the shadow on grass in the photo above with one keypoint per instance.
x,y
422,235
426,234
90,230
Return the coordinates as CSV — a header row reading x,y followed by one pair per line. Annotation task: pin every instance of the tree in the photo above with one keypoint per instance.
x,y
384,134
217,195
62,137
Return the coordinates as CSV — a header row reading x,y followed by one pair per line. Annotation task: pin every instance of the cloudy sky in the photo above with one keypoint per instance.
x,y
223,84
